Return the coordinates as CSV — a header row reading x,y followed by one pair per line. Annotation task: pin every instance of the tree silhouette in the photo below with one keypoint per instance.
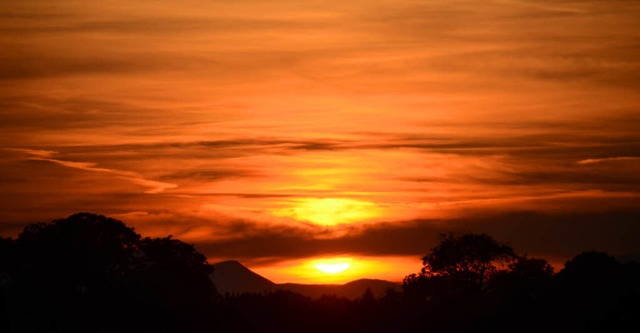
x,y
449,293
176,280
170,262
526,279
69,271
81,247
595,290
90,272
7,266
591,268
467,259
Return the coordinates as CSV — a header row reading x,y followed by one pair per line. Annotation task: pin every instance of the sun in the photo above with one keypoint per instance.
x,y
337,270
332,268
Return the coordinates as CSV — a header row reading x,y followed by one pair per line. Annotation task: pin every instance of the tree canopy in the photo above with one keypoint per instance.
x,y
468,259
76,271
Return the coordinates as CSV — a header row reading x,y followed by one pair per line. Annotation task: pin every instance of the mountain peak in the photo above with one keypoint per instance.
x,y
232,276
229,263
369,281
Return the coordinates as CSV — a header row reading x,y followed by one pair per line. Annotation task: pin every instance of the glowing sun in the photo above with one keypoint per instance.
x,y
332,268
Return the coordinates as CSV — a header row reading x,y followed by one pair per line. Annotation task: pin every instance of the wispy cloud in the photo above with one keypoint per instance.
x,y
609,159
153,186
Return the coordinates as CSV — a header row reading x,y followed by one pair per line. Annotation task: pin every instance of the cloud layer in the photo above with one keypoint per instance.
x,y
206,121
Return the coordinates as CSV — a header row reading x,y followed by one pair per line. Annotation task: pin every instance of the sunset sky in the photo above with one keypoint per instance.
x,y
302,136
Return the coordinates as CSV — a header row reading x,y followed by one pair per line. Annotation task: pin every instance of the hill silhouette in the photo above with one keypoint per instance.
x,y
351,290
232,277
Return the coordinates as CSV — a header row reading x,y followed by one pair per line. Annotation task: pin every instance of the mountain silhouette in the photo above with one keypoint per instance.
x,y
234,278
353,289
231,277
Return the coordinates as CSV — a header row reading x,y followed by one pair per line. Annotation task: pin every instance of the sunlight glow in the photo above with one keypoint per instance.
x,y
332,268
330,211
312,270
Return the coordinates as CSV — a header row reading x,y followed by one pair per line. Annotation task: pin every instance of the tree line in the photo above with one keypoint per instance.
x,y
91,273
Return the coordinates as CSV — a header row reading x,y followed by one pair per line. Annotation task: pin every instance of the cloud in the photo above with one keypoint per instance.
x,y
205,174
154,187
423,108
608,159
564,235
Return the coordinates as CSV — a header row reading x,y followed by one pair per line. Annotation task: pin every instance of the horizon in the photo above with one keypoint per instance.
x,y
320,141
338,280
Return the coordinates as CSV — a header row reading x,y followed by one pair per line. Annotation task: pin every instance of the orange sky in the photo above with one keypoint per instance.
x,y
280,132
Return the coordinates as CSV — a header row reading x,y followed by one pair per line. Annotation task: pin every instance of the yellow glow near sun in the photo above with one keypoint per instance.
x,y
330,211
312,270
332,268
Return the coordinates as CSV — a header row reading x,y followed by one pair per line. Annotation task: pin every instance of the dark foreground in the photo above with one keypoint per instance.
x,y
89,273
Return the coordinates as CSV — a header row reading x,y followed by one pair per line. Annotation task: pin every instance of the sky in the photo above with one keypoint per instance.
x,y
323,141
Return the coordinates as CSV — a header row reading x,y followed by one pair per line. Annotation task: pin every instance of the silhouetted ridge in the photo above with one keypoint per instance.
x,y
233,277
370,282
351,290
